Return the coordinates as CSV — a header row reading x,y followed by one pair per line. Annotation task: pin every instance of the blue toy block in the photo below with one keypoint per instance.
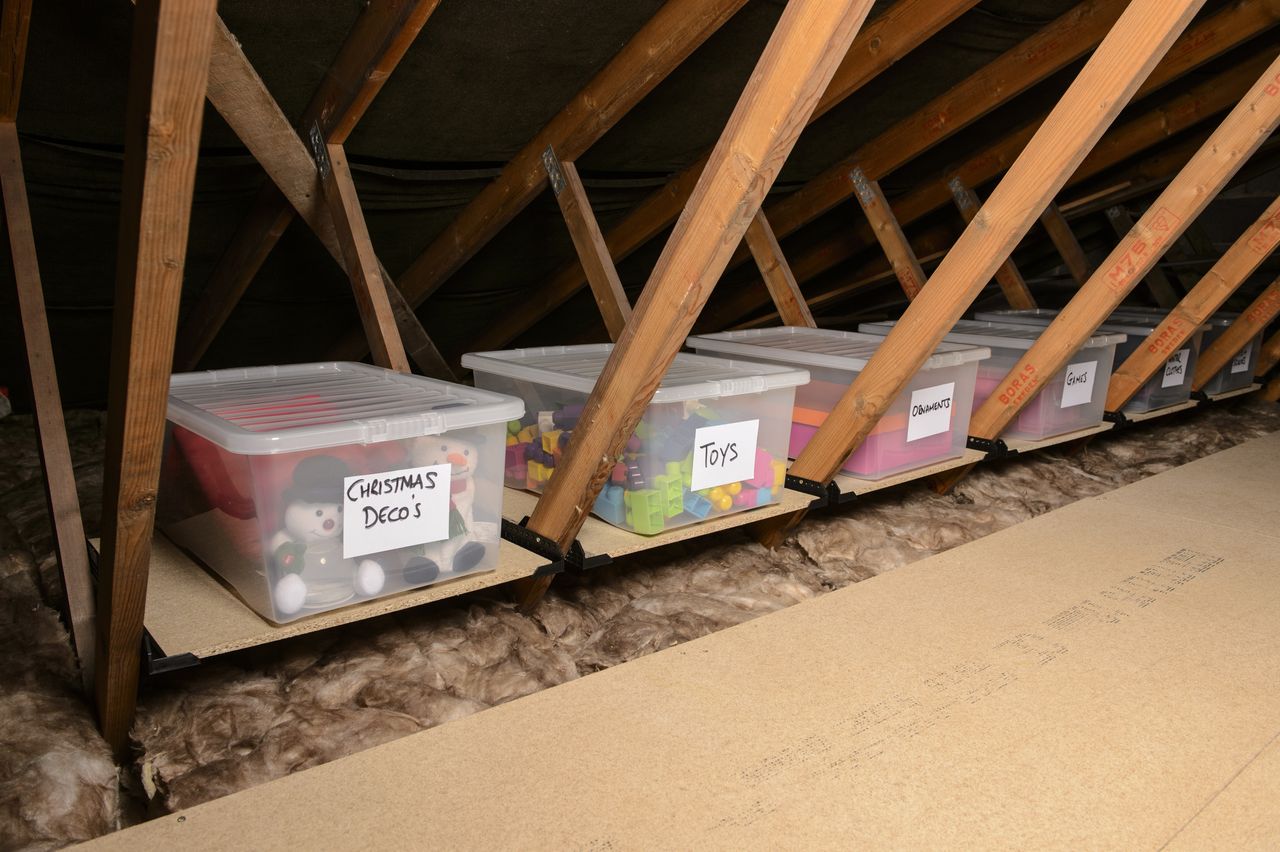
x,y
611,506
697,505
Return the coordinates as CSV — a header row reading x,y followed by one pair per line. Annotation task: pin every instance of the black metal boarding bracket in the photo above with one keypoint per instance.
x,y
995,448
1118,418
536,543
824,495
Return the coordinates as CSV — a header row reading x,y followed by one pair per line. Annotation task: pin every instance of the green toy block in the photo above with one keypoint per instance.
x,y
672,494
645,511
686,470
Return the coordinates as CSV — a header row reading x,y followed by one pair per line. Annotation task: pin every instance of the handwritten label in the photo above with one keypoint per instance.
x,y
724,453
930,412
399,508
1175,369
1240,363
1077,387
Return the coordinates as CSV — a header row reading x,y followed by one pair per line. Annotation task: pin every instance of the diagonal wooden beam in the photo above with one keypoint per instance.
x,y
798,62
776,272
1269,356
1064,240
584,230
167,76
362,265
378,41
1201,44
1161,288
1239,262
902,258
1235,140
1011,282
902,28
51,430
1144,32
1251,322
15,22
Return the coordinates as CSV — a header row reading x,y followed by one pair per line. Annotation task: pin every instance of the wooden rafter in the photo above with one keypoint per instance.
x,y
1235,140
902,258
798,62
892,35
1144,33
167,77
776,272
1011,282
1269,356
1239,262
584,230
1064,240
382,34
1202,43
1158,284
51,432
1251,322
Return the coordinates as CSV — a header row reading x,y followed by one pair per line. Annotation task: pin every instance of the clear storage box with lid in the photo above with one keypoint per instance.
x,y
313,486
926,424
713,440
1238,372
1071,400
1169,386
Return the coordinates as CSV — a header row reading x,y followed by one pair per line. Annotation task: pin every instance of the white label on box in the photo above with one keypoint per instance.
x,y
724,454
930,411
399,508
1175,369
1077,387
1240,363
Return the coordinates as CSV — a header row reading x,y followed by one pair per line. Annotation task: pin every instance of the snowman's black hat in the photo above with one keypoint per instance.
x,y
317,479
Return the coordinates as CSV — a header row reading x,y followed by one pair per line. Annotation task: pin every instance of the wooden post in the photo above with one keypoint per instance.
x,y
1105,84
1238,263
799,60
1251,322
362,265
777,273
888,38
1162,289
1059,230
1011,282
888,232
167,76
15,21
1207,40
382,34
1269,356
571,195
1235,140
51,431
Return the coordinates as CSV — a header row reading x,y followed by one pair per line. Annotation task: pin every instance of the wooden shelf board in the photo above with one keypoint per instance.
x,y
1161,412
854,485
189,611
1024,446
1218,397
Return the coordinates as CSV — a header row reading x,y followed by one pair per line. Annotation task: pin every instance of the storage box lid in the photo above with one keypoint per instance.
x,y
1157,315
821,347
689,377
1131,324
999,335
268,410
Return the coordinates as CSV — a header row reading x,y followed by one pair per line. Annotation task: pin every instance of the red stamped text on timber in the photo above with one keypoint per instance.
x,y
1267,235
1273,86
1142,251
1171,334
1266,308
1021,386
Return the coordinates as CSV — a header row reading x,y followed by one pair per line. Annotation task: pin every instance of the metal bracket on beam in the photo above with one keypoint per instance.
x,y
319,151
551,163
521,536
995,448
824,495
1118,418
861,186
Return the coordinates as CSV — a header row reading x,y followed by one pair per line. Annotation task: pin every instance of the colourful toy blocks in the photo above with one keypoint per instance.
x,y
611,505
644,511
672,494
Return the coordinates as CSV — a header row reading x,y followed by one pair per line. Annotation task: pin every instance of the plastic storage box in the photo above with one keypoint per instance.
x,y
1237,374
312,486
926,424
1069,401
712,441
1167,387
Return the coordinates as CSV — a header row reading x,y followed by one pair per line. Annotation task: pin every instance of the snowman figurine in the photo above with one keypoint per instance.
x,y
311,571
462,550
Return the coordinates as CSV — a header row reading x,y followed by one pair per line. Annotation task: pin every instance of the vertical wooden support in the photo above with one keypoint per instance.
x,y
1236,264
1011,282
906,267
1105,84
167,77
1161,288
1199,182
1251,322
799,60
1064,240
51,431
776,273
1269,356
571,195
362,265
15,21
